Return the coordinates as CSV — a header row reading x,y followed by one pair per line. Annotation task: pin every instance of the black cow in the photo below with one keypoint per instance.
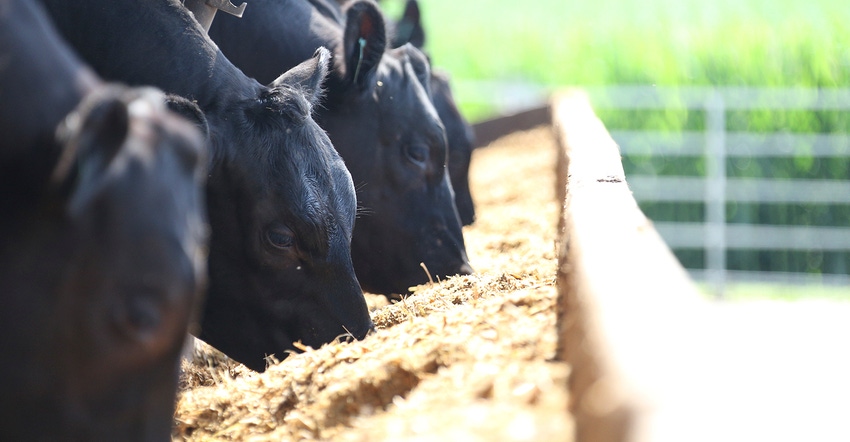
x,y
281,202
461,139
459,133
381,120
101,244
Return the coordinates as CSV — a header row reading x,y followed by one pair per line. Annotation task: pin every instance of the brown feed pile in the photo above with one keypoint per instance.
x,y
469,358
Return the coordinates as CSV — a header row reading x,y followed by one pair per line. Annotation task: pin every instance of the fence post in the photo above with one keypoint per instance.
x,y
715,193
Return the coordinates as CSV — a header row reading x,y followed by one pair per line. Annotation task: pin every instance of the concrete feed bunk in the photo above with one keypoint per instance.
x,y
591,334
652,360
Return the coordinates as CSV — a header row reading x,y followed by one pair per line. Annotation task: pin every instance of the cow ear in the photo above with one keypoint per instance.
x,y
90,136
307,76
409,28
102,133
189,110
364,41
420,65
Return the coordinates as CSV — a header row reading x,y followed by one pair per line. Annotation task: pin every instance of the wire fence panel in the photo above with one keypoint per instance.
x,y
742,98
740,144
756,236
716,135
747,190
714,189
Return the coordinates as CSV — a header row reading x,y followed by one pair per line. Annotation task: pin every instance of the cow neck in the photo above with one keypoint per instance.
x,y
213,81
285,32
155,43
221,91
43,82
203,73
200,71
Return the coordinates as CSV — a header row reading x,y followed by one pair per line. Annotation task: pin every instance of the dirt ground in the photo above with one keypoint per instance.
x,y
468,359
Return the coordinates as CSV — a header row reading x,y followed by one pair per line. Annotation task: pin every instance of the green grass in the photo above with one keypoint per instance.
x,y
779,292
663,42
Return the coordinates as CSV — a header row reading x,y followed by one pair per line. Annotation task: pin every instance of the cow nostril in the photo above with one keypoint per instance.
x,y
467,218
465,269
370,330
359,335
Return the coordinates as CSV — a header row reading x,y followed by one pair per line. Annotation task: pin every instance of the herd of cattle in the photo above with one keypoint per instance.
x,y
158,178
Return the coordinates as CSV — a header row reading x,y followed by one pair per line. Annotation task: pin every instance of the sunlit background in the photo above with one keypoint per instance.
x,y
733,125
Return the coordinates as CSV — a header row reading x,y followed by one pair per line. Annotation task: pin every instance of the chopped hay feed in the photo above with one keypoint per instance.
x,y
468,358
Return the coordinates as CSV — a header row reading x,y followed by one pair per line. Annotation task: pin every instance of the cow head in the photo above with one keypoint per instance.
x,y
382,121
102,280
282,208
459,133
461,140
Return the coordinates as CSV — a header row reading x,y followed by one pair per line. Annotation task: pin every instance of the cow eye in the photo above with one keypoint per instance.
x,y
280,237
417,153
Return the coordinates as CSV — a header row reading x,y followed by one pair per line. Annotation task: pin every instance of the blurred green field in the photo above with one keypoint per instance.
x,y
760,43
663,42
